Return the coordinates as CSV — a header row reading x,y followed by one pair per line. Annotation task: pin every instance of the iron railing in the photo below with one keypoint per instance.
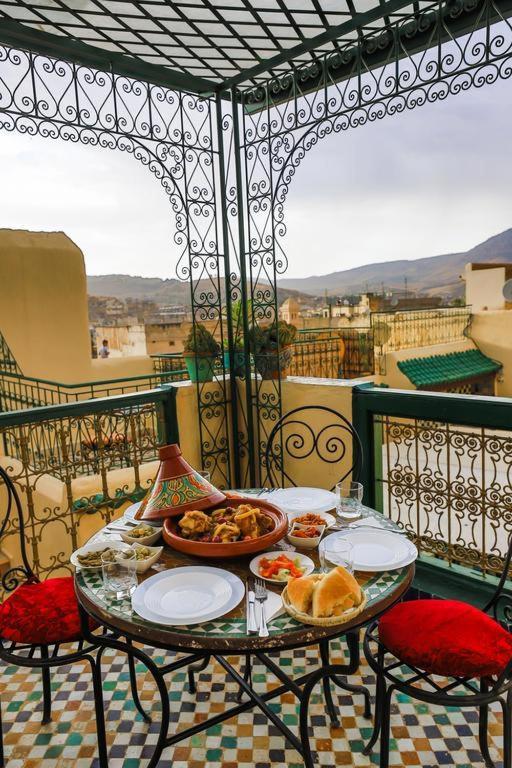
x,y
419,328
439,465
18,391
342,353
172,362
77,459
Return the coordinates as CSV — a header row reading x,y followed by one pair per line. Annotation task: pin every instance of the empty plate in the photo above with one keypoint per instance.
x,y
303,500
382,550
188,595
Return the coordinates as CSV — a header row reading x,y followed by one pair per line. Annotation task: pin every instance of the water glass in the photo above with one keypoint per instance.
x,y
336,550
119,568
349,497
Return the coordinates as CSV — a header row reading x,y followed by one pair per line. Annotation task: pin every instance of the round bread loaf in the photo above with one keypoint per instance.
x,y
300,591
324,595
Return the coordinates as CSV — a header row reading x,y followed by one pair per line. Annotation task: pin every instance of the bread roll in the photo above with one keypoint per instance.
x,y
337,592
300,592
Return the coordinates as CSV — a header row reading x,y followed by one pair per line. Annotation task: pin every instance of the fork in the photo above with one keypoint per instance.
x,y
261,596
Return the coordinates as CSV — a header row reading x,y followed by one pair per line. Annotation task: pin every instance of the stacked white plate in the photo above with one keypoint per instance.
x,y
188,595
301,500
377,550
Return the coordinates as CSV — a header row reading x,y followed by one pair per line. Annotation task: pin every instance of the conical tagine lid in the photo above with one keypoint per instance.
x,y
178,487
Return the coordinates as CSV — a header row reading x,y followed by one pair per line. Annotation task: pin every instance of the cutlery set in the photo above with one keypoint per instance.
x,y
257,593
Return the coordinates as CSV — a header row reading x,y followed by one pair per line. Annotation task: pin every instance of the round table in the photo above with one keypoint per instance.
x,y
227,636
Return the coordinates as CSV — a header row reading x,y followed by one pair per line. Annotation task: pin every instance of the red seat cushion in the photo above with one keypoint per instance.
x,y
446,637
41,613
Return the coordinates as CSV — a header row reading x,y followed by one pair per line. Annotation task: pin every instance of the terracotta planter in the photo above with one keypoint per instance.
x,y
200,367
234,548
177,488
273,365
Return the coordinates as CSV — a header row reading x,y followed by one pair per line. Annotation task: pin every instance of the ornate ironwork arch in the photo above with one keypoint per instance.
x,y
172,135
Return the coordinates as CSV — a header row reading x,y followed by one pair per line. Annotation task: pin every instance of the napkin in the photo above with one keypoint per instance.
x,y
273,606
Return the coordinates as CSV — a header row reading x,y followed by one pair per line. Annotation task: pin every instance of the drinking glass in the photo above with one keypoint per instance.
x,y
349,497
335,550
119,568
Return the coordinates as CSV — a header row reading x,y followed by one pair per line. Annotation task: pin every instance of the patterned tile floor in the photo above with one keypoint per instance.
x,y
421,735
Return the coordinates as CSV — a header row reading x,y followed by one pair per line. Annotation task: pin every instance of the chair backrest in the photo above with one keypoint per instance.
x,y
313,445
11,514
500,604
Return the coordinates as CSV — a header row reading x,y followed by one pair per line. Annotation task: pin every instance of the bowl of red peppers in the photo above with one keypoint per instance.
x,y
306,536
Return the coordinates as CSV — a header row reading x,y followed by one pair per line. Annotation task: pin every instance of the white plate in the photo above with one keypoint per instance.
x,y
305,562
131,511
378,550
330,520
302,500
95,547
191,594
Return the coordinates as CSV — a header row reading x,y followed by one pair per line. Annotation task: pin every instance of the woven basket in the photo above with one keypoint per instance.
x,y
329,621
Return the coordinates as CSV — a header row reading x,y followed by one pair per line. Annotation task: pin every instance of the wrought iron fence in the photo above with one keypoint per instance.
x,y
440,465
419,328
79,459
19,392
170,363
333,353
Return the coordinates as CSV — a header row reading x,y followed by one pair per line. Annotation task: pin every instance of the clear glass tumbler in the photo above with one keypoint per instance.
x,y
335,550
119,568
349,498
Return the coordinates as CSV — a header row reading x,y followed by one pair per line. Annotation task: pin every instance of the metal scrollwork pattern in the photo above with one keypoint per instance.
x,y
450,487
171,134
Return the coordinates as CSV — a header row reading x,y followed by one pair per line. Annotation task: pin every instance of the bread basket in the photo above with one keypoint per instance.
x,y
326,621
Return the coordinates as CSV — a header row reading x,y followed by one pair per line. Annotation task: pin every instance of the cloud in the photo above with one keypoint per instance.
x,y
430,181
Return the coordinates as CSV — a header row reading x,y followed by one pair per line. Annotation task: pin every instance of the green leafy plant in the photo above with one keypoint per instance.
x,y
271,347
201,342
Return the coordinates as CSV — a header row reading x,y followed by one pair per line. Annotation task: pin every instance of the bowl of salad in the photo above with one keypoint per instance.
x,y
279,568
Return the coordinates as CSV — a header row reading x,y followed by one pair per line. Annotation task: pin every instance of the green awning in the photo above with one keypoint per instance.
x,y
444,369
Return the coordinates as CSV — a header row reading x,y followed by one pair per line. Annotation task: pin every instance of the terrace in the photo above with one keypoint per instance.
x,y
221,103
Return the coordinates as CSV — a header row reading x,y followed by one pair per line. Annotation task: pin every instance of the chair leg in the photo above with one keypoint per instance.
x,y
47,689
2,757
507,730
483,721
192,669
133,684
100,712
380,695
385,728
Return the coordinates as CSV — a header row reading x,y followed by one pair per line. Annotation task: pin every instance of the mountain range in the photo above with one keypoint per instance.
x,y
435,275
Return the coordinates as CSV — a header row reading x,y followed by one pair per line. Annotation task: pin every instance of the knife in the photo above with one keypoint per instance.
x,y
252,625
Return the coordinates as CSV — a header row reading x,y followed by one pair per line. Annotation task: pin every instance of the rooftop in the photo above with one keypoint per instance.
x,y
442,369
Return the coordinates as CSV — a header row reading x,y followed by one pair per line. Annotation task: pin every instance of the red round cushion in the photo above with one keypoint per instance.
x,y
41,613
446,637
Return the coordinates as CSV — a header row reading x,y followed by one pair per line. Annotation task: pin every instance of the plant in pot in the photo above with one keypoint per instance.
x,y
271,346
238,338
200,351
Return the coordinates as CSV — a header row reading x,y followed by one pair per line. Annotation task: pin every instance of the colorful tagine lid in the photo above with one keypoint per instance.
x,y
177,488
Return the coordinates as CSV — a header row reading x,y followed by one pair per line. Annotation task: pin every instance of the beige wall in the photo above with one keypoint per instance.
x,y
492,333
484,288
393,376
123,340
43,304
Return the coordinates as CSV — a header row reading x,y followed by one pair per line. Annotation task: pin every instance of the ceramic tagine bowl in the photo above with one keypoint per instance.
x,y
177,488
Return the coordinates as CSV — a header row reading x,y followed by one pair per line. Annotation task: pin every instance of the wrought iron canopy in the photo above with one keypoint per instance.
x,y
206,46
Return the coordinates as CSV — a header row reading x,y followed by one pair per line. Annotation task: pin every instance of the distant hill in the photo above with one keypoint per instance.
x,y
436,275
160,291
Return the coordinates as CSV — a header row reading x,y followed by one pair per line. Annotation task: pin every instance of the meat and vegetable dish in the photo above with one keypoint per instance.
x,y
230,524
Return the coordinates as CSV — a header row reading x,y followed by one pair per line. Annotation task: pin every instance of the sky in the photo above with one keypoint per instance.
x,y
431,181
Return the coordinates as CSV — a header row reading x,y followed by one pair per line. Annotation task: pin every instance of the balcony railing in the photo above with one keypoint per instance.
x,y
18,391
419,328
344,353
440,465
74,460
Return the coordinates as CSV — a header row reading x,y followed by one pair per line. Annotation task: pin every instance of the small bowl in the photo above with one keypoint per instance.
x,y
145,540
145,565
97,546
309,543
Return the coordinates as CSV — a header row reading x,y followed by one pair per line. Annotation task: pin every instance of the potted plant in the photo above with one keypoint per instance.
x,y
238,339
271,346
200,351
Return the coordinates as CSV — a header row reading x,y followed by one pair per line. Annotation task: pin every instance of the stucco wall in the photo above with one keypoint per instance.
x,y
484,288
43,304
492,333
